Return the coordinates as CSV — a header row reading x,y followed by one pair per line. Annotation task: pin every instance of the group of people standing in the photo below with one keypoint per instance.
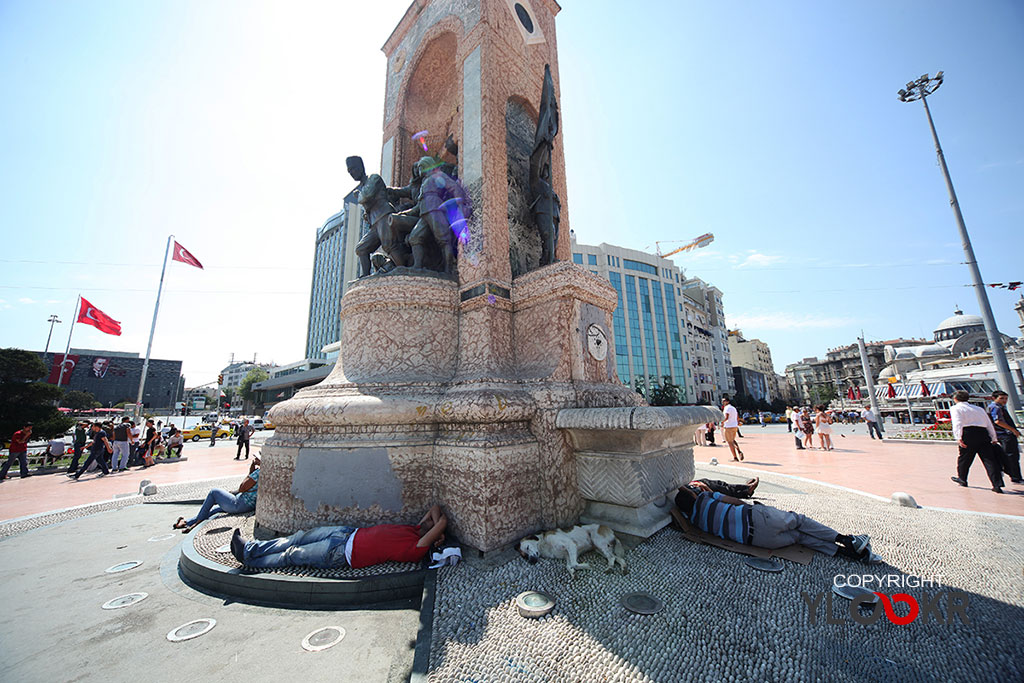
x,y
804,425
989,433
116,447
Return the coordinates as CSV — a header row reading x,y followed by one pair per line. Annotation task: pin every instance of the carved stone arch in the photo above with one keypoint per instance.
x,y
524,246
432,95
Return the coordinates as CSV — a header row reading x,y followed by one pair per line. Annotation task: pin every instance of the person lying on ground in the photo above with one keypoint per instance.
x,y
231,502
723,487
344,546
767,527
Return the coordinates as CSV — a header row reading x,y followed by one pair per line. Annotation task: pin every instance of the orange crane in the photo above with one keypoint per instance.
x,y
696,243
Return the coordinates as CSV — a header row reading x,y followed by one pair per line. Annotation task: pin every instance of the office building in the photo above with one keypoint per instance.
x,y
334,266
653,337
754,354
112,377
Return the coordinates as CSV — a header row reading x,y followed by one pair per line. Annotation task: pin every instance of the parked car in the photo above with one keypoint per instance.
x,y
258,424
204,432
267,424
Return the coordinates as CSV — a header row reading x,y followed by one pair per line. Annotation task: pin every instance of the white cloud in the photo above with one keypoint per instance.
x,y
756,258
26,300
750,323
53,301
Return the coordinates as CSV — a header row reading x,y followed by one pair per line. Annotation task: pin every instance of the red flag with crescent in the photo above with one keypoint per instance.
x,y
185,256
90,315
924,389
890,393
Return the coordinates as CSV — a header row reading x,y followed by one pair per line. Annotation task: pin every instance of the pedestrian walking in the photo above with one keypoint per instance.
x,y
134,445
798,429
98,451
148,444
789,419
81,436
1007,435
122,445
975,435
245,430
18,451
213,434
730,427
868,416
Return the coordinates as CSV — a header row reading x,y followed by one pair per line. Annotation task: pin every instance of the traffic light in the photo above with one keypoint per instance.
x,y
220,379
227,405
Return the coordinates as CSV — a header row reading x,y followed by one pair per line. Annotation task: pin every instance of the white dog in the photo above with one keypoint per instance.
x,y
571,544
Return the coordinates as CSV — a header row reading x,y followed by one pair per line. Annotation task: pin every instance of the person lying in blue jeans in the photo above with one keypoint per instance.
x,y
344,546
219,500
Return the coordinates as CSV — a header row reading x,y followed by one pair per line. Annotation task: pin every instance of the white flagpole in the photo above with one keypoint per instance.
x,y
67,350
152,329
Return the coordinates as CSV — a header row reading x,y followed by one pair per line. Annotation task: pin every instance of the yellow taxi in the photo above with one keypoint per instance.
x,y
204,431
267,424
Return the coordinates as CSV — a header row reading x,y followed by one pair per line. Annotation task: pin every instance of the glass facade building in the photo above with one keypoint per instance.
x,y
334,265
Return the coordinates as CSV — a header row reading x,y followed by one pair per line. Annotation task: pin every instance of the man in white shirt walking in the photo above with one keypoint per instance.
x,y
730,426
975,435
868,416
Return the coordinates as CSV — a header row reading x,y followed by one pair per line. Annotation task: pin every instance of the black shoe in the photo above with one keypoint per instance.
x,y
996,489
959,481
238,546
237,458
1017,481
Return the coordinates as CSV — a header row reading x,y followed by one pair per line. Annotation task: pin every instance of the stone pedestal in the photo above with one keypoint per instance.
x,y
631,461
416,412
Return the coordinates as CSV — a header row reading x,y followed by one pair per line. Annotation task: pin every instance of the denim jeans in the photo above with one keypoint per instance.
x,y
121,454
22,458
322,547
219,500
873,426
99,457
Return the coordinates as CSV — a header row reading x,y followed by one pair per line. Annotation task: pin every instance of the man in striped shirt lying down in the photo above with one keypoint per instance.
x,y
765,526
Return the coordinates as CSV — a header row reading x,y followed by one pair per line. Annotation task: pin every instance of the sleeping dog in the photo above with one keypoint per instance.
x,y
571,544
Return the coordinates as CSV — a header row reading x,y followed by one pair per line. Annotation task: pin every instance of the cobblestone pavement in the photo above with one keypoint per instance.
x,y
725,621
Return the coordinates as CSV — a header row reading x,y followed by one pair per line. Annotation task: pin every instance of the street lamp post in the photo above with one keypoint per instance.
x,y
52,319
920,90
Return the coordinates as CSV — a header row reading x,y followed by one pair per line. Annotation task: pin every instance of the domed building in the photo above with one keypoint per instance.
x,y
921,380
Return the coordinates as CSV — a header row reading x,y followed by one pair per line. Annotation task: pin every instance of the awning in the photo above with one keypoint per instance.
x,y
914,389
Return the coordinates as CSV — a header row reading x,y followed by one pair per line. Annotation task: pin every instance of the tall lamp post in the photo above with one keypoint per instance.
x,y
52,319
920,90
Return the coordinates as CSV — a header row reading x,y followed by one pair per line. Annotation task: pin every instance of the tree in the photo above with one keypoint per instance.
x,y
25,399
666,393
80,400
245,388
822,393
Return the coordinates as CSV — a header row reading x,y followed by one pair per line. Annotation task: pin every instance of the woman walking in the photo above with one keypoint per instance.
x,y
808,427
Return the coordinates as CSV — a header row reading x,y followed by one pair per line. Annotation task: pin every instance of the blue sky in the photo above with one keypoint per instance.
x,y
774,125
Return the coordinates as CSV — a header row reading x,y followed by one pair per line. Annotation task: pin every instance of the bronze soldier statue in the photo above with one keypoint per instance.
x,y
377,208
441,204
546,207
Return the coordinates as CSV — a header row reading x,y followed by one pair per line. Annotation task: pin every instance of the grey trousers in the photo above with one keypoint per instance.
x,y
774,528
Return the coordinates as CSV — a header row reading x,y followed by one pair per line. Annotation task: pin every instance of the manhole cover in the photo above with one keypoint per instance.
x,y
123,566
162,537
125,600
323,638
192,629
642,603
226,548
768,565
532,604
861,595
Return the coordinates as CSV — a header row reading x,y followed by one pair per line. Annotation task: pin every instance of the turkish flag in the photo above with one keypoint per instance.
x,y
891,393
858,393
849,393
68,362
924,389
90,315
182,254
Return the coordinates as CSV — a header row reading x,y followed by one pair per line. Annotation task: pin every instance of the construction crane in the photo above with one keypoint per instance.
x,y
696,243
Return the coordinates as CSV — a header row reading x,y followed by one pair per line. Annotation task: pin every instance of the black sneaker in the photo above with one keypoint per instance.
x,y
862,542
959,481
238,546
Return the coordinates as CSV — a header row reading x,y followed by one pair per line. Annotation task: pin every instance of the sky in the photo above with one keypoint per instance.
x,y
775,126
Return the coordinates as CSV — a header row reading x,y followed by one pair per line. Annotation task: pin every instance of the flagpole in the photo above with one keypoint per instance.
x,y
152,329
67,350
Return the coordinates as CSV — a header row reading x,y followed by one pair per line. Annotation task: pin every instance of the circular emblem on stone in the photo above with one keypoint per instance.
x,y
642,603
532,604
768,565
125,600
123,566
399,62
524,17
323,638
597,342
192,629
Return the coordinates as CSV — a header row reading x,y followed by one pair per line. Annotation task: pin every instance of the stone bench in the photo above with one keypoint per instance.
x,y
630,461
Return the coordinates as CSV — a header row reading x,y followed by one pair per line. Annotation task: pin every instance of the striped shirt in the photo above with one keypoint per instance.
x,y
731,522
